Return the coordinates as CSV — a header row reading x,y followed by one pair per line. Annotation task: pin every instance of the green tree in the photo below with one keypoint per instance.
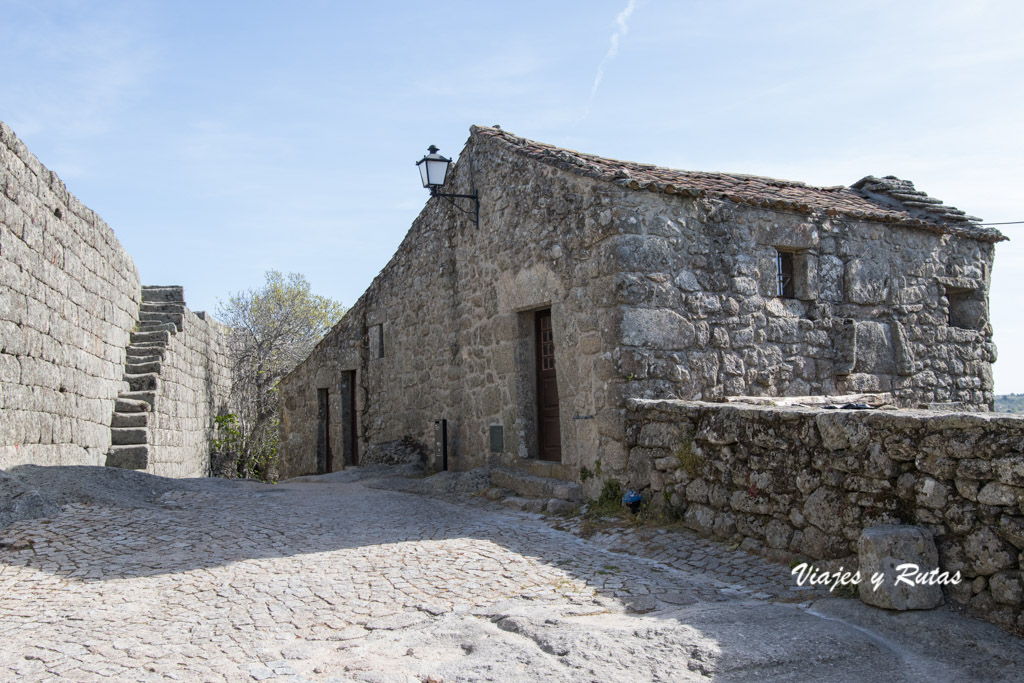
x,y
273,329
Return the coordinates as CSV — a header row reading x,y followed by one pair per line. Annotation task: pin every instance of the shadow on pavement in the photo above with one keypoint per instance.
x,y
133,525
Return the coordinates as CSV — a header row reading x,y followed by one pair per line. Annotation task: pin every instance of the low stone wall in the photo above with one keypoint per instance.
x,y
69,295
195,384
803,483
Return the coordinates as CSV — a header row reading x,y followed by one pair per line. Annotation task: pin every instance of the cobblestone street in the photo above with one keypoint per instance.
x,y
327,579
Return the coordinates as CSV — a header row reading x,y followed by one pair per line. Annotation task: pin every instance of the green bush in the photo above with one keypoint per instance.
x,y
609,503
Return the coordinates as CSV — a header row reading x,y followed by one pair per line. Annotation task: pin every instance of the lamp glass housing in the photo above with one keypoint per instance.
x,y
433,168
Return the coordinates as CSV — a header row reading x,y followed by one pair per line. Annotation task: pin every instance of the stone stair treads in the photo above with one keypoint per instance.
x,y
161,315
531,486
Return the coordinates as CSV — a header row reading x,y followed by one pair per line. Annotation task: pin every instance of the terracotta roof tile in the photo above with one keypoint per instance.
x,y
887,200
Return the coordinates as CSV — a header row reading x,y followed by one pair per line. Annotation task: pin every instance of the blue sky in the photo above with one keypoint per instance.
x,y
222,139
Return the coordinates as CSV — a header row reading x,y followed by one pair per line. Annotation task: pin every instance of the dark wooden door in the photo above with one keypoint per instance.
x,y
349,443
323,435
549,431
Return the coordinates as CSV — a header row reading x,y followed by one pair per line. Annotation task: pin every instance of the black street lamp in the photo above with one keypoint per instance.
x,y
434,172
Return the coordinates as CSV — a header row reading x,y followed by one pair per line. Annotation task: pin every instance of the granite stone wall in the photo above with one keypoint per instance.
x,y
194,387
876,308
69,295
71,307
802,483
652,295
455,308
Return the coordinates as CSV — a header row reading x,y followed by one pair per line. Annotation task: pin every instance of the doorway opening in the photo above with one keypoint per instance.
x,y
323,433
549,432
349,440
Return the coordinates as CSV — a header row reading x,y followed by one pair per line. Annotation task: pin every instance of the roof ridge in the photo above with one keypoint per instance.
x,y
886,200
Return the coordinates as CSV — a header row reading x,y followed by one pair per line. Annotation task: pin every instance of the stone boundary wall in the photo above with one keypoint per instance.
x,y
802,483
195,386
69,295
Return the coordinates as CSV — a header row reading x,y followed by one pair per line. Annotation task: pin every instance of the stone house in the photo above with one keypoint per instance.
x,y
590,281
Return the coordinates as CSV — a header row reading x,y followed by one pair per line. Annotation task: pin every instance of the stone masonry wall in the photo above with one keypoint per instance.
x,y
801,482
877,308
69,295
456,306
195,383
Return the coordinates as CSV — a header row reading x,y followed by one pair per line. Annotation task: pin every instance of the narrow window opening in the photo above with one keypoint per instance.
x,y
380,340
967,309
784,270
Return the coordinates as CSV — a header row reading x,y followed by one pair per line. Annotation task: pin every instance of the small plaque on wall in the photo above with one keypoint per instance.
x,y
497,439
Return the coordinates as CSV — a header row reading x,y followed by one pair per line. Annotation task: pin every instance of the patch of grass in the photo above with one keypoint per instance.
x,y
587,528
565,585
690,462
609,503
585,473
850,592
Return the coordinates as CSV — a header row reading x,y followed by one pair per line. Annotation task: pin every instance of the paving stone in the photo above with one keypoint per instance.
x,y
318,574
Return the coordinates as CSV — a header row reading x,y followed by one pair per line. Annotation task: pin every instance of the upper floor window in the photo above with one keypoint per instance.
x,y
967,308
784,270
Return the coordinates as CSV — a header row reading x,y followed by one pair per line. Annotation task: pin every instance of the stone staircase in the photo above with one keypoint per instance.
x,y
161,314
533,493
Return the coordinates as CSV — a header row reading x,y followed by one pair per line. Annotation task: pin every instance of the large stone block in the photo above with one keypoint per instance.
x,y
987,554
867,280
874,348
894,552
18,502
657,328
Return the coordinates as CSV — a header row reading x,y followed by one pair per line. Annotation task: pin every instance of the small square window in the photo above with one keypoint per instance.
x,y
784,271
497,438
967,308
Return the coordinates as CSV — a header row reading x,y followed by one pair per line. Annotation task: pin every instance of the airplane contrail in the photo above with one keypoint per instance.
x,y
613,48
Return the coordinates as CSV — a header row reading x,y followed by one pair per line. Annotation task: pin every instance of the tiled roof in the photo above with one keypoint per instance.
x,y
887,200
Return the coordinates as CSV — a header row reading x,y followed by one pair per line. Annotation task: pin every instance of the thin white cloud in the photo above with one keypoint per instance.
x,y
622,28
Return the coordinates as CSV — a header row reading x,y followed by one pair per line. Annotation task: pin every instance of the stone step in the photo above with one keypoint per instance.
x,y
531,486
131,405
128,457
147,360
162,337
130,419
158,327
147,317
148,347
143,382
552,506
132,367
147,396
163,293
167,307
128,436
153,352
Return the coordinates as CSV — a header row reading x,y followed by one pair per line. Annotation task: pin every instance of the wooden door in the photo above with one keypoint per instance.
x,y
349,443
323,435
549,431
